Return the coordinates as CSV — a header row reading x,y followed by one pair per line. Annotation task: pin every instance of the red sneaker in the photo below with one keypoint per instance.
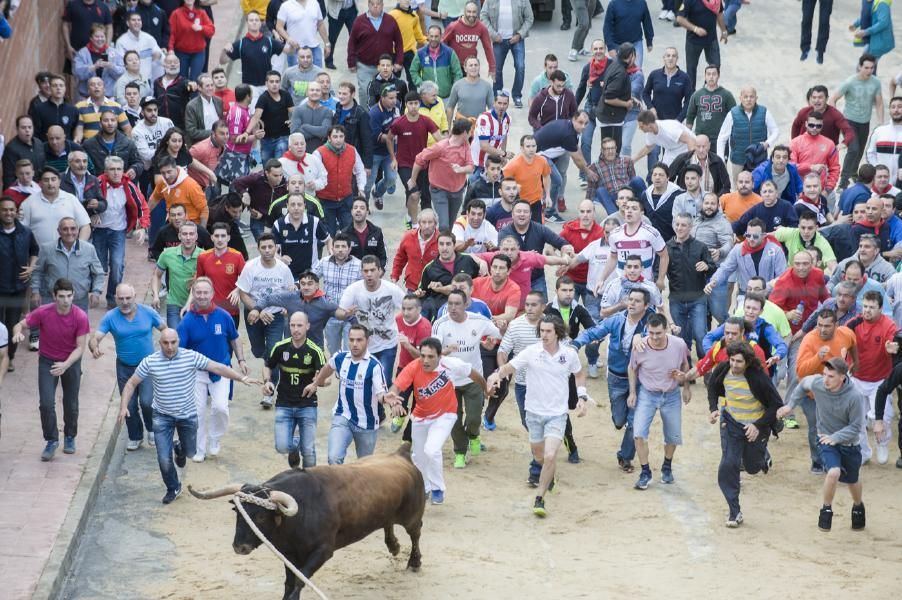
x,y
561,205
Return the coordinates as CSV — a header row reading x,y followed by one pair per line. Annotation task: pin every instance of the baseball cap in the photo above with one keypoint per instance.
x,y
839,365
146,100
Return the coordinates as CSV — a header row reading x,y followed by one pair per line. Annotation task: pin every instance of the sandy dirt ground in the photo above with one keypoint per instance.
x,y
602,538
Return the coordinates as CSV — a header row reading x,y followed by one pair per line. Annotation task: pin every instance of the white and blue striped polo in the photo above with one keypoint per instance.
x,y
173,381
360,388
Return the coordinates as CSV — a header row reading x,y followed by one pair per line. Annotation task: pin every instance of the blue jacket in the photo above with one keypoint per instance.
x,y
669,96
765,335
880,34
857,193
16,248
618,360
747,130
764,172
625,21
380,121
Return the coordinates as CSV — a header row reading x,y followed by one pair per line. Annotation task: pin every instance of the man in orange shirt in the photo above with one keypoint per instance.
x,y
435,410
735,204
533,175
177,188
826,341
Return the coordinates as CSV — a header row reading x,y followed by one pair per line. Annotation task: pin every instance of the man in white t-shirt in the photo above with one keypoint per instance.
x,y
669,135
264,276
547,395
472,232
375,303
597,254
460,333
639,238
299,22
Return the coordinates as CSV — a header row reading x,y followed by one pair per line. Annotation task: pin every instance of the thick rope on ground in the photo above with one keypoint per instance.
x,y
268,544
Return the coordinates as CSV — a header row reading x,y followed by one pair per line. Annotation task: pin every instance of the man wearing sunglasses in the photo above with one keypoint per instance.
x,y
813,152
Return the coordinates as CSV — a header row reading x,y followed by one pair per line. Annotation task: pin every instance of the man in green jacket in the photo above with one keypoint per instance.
x,y
436,62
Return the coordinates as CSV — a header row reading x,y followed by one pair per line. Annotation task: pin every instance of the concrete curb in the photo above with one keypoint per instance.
x,y
59,564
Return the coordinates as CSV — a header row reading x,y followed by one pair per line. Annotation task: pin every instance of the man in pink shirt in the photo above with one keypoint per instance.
x,y
64,330
208,152
450,162
814,152
522,263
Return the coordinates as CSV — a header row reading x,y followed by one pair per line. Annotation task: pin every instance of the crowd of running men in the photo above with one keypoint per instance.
x,y
757,255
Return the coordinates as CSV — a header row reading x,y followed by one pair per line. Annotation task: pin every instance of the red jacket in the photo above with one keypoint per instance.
x,y
579,238
874,364
136,212
409,256
807,150
340,171
182,37
790,289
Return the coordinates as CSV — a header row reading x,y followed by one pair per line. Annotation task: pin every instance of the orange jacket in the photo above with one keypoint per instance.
x,y
409,256
184,191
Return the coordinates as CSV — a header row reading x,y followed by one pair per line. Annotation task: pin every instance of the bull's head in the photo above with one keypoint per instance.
x,y
265,508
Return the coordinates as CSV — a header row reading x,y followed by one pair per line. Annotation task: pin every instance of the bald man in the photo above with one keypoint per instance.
x,y
746,125
173,373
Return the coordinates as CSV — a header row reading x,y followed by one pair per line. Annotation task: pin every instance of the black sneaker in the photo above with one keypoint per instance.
x,y
171,495
573,457
538,507
294,459
625,465
330,65
858,517
180,457
899,463
518,102
533,480
565,26
825,520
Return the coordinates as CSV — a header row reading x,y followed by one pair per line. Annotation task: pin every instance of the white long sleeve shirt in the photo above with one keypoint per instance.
x,y
773,132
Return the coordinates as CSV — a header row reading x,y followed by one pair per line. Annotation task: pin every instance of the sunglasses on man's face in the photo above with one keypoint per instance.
x,y
816,125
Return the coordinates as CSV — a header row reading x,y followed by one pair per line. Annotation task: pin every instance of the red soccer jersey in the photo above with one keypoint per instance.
x,y
412,137
874,364
508,295
223,271
416,332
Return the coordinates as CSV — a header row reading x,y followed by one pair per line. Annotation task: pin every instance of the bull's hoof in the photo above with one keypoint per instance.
x,y
414,568
394,549
413,564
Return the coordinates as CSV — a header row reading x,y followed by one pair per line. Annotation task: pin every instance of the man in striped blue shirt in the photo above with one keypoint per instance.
x,y
360,389
173,372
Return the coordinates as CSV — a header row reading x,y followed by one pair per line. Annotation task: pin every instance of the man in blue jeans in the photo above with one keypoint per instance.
x,y
689,263
361,388
622,327
131,325
508,37
173,371
659,364
298,359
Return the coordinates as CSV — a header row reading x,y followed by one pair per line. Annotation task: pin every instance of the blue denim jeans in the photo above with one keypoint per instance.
x,y
383,162
622,414
337,215
731,7
718,301
519,51
692,318
640,51
191,65
342,433
273,148
558,181
304,421
262,336
110,247
173,315
593,305
336,334
157,220
137,420
387,359
609,200
535,468
629,132
258,227
585,138
164,429
540,285
670,406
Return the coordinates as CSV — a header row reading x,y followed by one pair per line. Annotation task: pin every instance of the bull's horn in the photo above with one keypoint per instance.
x,y
288,506
229,490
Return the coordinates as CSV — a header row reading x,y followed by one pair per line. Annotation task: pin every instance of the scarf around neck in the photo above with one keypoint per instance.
x,y
301,164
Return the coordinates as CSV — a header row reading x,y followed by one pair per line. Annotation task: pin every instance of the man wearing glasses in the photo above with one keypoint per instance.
x,y
813,152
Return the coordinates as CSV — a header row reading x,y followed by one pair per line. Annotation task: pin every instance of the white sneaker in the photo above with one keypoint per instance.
x,y
151,441
882,453
670,16
593,371
266,402
573,56
133,445
198,458
214,448
662,15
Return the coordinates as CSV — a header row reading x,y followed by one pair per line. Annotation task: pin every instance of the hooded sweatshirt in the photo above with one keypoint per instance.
x,y
715,232
838,413
660,212
185,192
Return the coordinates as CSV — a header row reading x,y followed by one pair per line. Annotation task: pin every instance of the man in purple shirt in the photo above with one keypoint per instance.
x,y
658,367
64,333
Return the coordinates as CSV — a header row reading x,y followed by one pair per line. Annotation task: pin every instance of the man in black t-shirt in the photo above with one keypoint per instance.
x,y
273,108
701,23
255,51
298,360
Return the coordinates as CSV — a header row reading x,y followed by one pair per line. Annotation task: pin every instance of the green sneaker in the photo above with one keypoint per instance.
x,y
790,423
475,447
460,461
396,424
538,508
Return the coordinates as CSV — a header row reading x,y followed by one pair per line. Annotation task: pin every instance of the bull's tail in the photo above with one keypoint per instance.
x,y
404,451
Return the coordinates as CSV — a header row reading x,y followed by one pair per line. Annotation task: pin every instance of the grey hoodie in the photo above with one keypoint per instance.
x,y
714,232
838,413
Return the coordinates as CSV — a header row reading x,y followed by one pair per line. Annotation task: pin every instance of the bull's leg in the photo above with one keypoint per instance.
x,y
315,560
292,589
391,541
413,563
